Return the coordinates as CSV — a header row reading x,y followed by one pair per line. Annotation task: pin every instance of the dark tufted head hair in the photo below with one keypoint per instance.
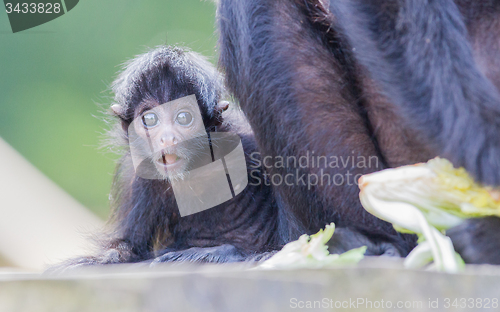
x,y
165,74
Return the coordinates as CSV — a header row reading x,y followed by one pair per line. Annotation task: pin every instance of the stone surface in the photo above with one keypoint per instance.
x,y
236,288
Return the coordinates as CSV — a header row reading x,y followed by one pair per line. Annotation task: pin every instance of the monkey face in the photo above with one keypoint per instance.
x,y
171,137
170,142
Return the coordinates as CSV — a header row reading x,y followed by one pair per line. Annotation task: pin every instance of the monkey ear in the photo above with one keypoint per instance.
x,y
117,110
222,106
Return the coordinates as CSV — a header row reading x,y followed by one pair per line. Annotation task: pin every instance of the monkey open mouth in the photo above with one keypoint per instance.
x,y
169,158
169,161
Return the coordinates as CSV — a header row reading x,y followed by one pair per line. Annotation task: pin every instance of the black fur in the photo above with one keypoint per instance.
x,y
146,227
296,82
405,80
420,53
146,222
438,62
476,240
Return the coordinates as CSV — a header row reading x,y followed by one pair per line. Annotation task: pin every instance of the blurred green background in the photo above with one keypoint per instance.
x,y
54,77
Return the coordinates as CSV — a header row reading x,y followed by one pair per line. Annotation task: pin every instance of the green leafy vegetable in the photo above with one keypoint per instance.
x,y
312,252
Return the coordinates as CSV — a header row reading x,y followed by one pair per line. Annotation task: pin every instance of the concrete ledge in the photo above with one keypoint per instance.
x,y
234,288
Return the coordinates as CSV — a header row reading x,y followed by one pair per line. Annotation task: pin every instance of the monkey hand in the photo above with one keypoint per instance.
x,y
219,254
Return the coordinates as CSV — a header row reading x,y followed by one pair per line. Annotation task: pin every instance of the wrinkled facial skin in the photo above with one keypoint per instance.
x,y
165,127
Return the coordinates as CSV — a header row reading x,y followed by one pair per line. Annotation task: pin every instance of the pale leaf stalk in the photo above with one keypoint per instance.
x,y
427,199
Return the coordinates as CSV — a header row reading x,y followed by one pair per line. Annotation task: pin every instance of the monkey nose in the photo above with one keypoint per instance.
x,y
168,140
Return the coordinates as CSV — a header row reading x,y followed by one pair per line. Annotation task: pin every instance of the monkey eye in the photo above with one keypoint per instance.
x,y
150,120
184,118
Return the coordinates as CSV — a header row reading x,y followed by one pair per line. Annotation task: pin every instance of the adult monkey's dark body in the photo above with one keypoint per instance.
x,y
398,79
300,94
